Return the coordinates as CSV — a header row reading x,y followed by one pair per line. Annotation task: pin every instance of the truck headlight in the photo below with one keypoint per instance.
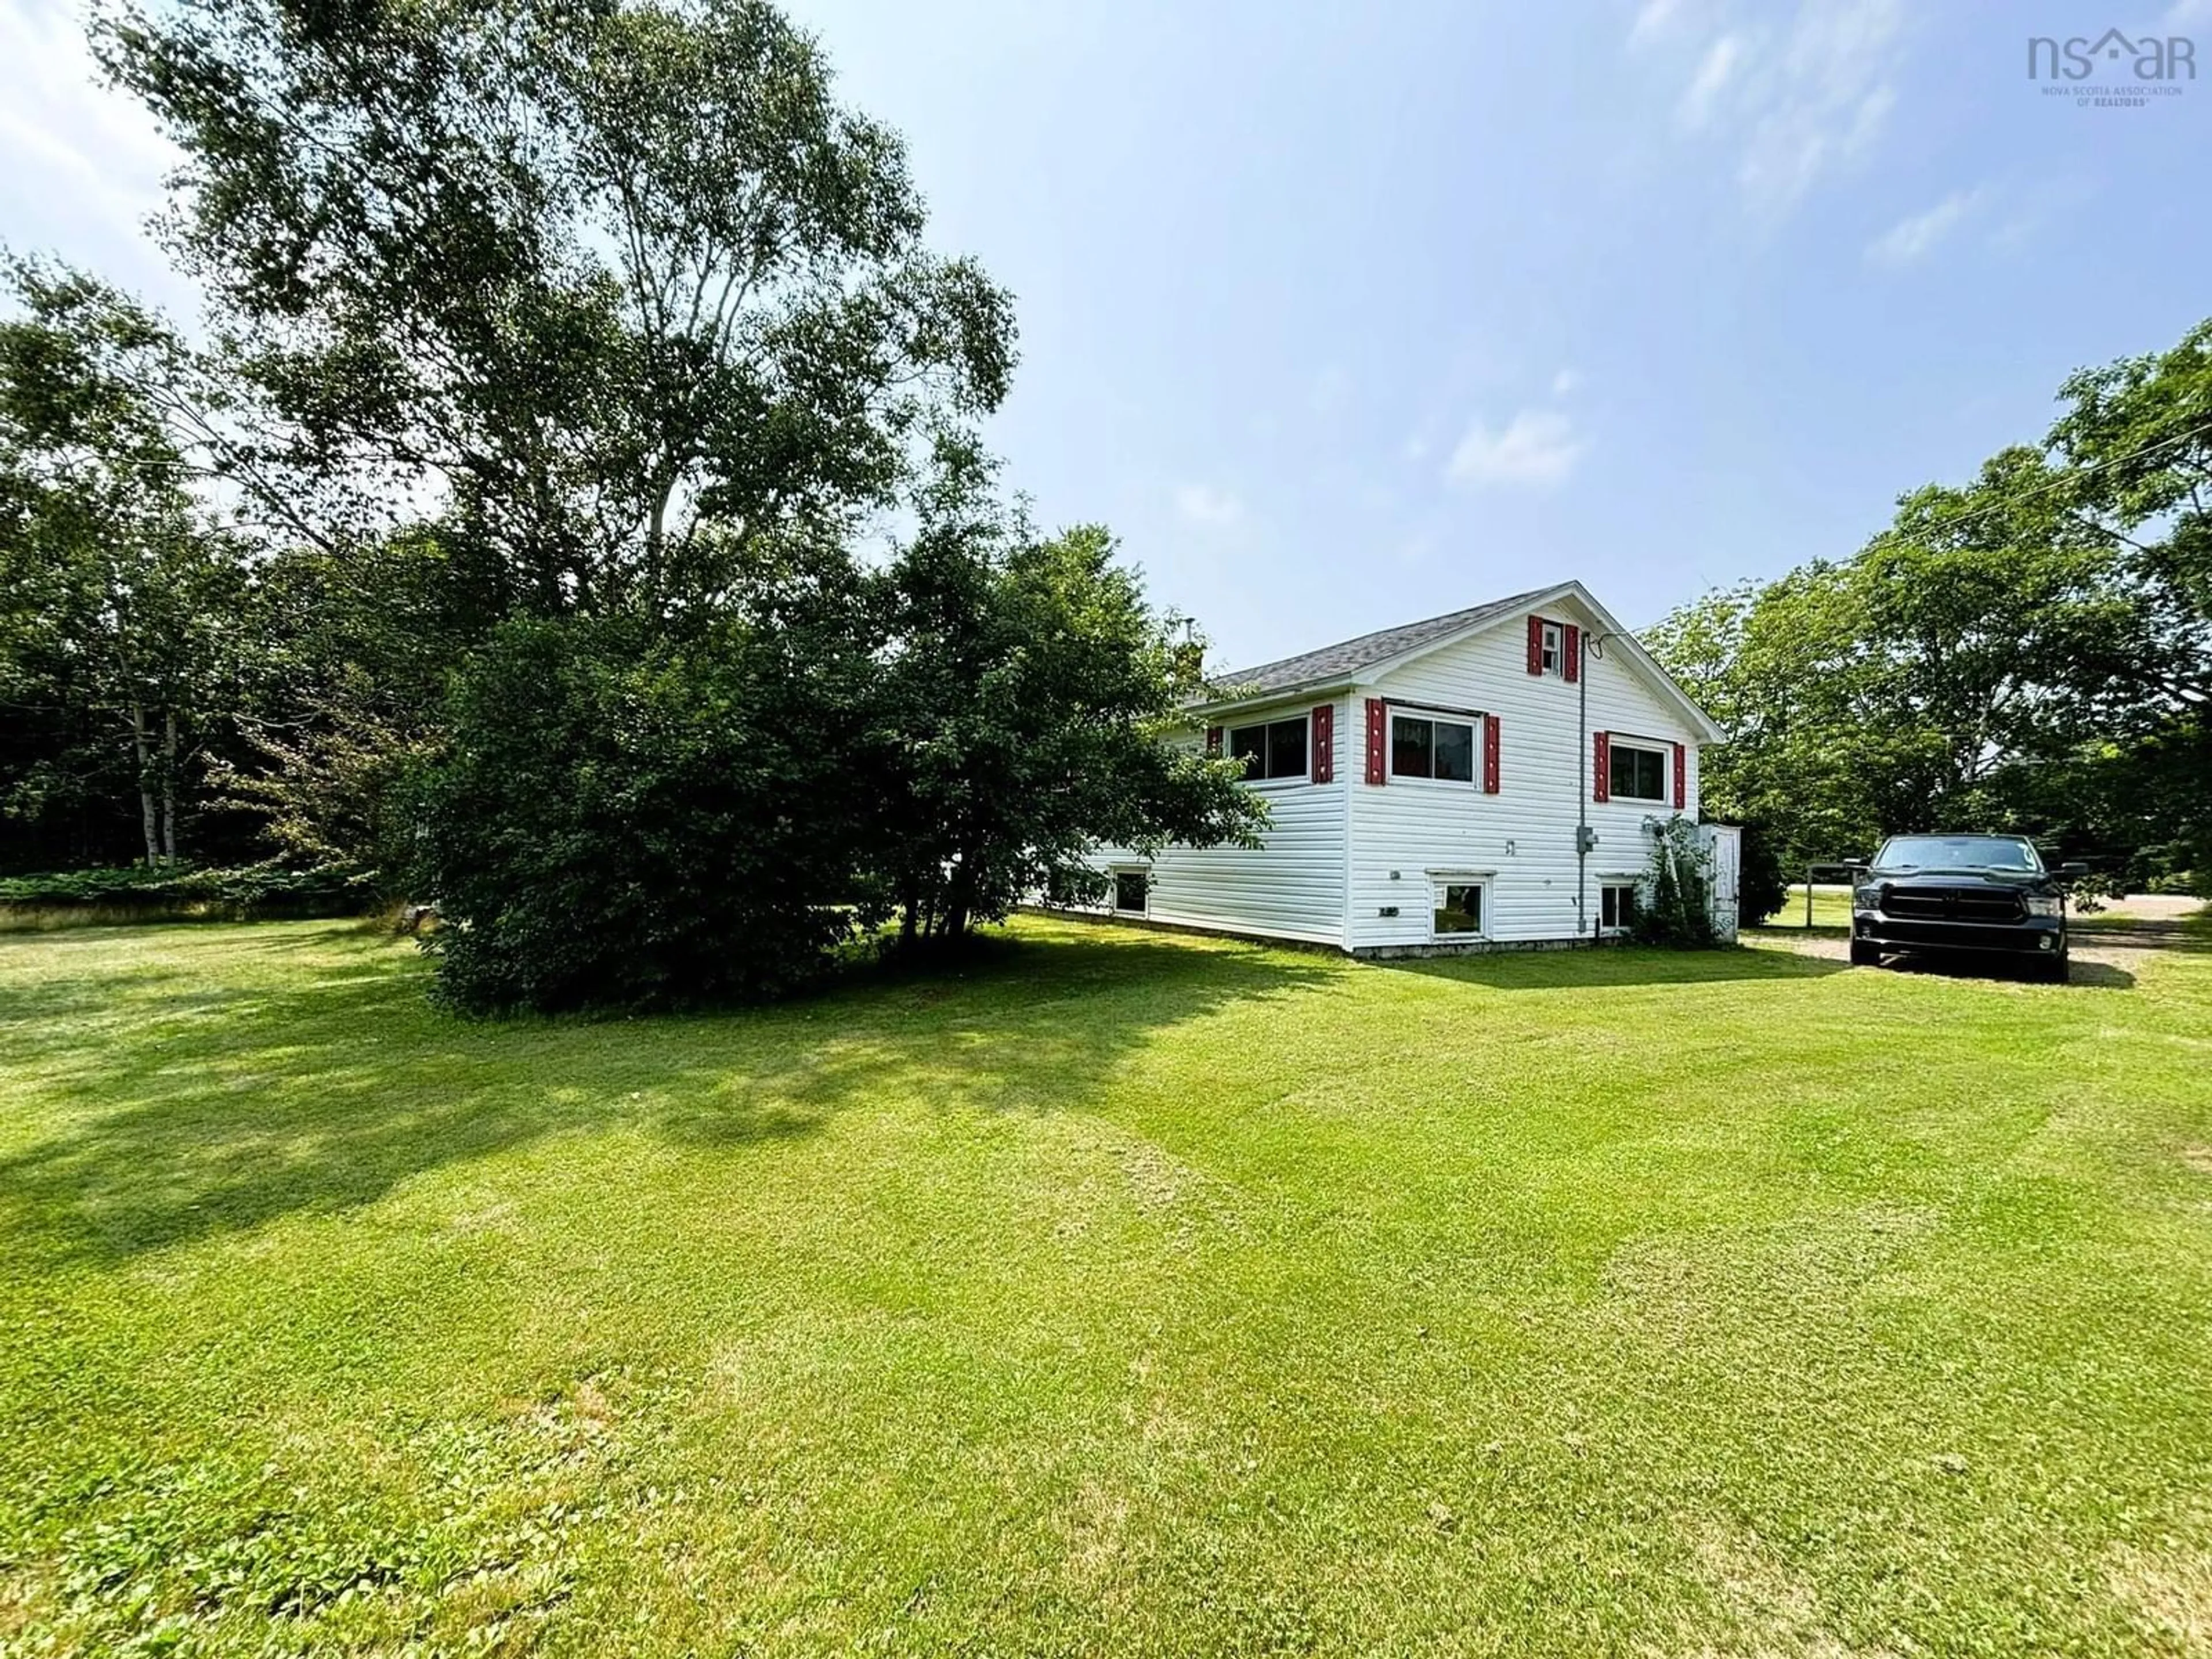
x,y
1867,898
2044,904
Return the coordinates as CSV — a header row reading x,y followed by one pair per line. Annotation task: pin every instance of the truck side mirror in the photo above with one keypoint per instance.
x,y
2072,871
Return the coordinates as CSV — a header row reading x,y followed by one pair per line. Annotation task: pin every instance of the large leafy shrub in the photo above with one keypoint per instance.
x,y
625,816
1762,888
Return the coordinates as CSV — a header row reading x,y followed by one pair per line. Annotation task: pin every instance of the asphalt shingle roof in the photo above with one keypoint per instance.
x,y
1350,656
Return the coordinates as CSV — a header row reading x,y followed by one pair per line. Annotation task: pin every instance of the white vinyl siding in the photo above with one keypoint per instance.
x,y
1292,885
1339,855
1405,838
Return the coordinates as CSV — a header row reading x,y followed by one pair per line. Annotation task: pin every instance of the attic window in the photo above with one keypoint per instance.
x,y
1555,650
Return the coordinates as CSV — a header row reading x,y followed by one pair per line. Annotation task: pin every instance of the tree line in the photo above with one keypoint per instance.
x,y
2029,652
508,528
511,524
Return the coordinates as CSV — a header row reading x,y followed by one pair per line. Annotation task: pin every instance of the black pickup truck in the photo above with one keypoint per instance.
x,y
1978,894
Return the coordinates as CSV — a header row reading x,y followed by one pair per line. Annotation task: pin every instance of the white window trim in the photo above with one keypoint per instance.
x,y
1113,874
1303,775
1475,725
1551,648
1440,879
1665,751
1633,882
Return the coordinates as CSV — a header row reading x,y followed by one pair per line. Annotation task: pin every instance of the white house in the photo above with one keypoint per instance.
x,y
1430,785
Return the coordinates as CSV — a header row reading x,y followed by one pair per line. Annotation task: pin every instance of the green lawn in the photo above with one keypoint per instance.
x,y
1129,1293
1831,908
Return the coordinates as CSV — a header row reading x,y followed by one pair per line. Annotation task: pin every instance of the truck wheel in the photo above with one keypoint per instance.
x,y
1864,955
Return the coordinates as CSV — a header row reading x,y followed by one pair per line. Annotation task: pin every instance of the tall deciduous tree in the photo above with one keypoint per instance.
x,y
1034,696
585,276
2032,650
119,598
2136,445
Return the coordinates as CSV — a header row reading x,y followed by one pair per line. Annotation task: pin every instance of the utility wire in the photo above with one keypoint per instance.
x,y
2079,472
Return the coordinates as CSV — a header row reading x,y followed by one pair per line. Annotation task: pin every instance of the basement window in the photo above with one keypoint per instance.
x,y
1616,906
1130,889
1459,909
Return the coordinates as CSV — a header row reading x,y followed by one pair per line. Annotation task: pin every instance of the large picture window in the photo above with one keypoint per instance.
x,y
1424,748
1276,749
1638,774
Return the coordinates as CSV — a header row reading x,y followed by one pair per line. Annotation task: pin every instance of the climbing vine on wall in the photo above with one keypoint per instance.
x,y
1674,902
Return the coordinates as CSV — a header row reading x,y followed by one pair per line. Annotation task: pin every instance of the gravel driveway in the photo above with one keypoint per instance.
x,y
2102,953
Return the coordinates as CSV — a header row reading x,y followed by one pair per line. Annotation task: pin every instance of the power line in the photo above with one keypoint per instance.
x,y
2075,474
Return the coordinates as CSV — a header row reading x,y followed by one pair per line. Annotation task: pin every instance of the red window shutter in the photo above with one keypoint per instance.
x,y
1681,777
1213,740
1378,737
1602,763
1535,645
1490,754
1573,653
1324,742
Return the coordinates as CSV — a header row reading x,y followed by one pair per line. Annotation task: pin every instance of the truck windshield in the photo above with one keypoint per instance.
x,y
1999,854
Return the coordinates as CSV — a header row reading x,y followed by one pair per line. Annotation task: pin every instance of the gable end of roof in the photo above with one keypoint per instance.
x,y
1349,658
1388,648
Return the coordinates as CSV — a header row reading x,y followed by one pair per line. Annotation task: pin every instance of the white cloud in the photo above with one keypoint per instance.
x,y
1799,99
1908,241
1537,447
1654,18
2027,211
1203,504
2186,15
1714,70
1565,381
1826,102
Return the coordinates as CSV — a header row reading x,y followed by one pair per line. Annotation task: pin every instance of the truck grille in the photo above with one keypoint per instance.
x,y
1981,904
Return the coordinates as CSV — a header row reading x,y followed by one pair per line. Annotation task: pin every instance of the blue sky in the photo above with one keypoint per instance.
x,y
1344,316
